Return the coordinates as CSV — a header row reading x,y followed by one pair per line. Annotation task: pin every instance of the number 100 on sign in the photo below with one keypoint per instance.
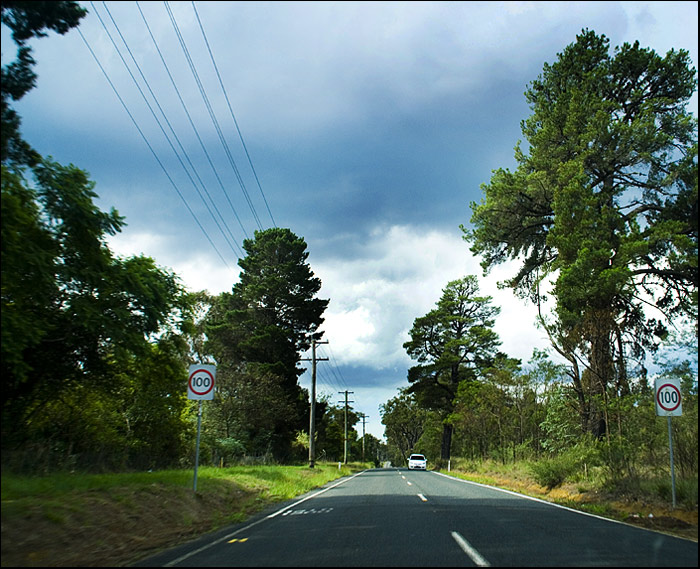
x,y
668,397
201,381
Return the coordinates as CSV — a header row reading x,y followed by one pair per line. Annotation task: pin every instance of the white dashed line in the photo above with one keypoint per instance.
x,y
470,551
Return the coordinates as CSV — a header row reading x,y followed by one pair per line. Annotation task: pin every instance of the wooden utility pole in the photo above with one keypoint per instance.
x,y
312,411
345,458
364,417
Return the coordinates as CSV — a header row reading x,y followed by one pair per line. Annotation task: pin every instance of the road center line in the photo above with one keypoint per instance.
x,y
470,551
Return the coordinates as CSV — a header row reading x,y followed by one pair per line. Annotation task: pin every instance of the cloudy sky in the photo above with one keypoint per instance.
x,y
366,128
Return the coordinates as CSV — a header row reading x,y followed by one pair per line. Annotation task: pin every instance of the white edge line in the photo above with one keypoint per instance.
x,y
470,551
245,528
534,499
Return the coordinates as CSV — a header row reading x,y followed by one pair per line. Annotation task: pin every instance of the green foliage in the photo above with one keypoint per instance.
x,y
452,343
247,406
561,426
92,363
404,423
257,334
552,472
685,427
27,20
604,204
686,491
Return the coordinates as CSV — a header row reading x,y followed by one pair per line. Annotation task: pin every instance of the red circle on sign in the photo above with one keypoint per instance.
x,y
211,384
673,388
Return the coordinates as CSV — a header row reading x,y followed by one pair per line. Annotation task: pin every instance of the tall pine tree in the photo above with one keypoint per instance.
x,y
605,203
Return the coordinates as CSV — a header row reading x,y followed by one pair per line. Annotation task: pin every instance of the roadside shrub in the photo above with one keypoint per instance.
x,y
686,491
551,472
570,464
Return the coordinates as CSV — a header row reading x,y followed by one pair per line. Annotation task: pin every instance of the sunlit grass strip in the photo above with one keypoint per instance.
x,y
274,481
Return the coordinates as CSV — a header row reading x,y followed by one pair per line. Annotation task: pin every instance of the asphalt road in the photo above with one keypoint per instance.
x,y
395,517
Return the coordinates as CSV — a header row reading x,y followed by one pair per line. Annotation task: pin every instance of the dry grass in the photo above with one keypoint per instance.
x,y
647,511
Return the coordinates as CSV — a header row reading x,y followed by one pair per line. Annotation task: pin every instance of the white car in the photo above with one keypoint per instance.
x,y
417,462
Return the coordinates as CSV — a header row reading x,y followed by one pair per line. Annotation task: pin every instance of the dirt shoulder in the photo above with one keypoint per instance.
x,y
116,528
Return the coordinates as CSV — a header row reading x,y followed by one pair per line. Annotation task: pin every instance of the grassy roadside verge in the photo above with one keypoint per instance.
x,y
72,520
643,509
68,520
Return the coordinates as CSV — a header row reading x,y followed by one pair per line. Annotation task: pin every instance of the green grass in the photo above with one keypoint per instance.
x,y
278,481
45,518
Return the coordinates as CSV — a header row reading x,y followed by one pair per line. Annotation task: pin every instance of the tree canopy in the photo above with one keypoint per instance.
x,y
73,315
27,20
452,343
604,202
94,348
268,320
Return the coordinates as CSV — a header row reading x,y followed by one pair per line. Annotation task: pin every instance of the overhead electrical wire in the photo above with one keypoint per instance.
x,y
334,379
171,136
335,370
192,124
212,115
150,147
331,377
165,133
335,366
233,116
327,380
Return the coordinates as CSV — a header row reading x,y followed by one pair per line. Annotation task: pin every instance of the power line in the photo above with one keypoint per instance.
x,y
212,115
189,117
162,129
235,122
168,131
150,147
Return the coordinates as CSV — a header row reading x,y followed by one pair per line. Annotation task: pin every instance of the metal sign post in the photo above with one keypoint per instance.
x,y
196,454
200,386
668,404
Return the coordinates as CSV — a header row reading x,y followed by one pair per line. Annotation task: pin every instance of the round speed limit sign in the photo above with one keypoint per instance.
x,y
668,397
201,382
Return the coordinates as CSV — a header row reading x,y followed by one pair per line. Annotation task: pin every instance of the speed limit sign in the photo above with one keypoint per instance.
x,y
201,382
668,397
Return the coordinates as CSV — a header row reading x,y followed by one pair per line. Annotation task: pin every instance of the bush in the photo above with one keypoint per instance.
x,y
552,472
686,491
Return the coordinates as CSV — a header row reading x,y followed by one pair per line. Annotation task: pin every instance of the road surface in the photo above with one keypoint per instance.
x,y
396,517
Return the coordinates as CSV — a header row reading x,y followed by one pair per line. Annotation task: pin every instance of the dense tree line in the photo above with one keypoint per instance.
x,y
95,347
602,215
530,413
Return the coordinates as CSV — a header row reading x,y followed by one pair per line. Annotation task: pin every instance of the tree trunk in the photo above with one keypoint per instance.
x,y
600,373
446,441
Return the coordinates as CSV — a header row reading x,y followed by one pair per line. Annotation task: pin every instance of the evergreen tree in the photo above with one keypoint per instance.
x,y
268,320
605,203
452,343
